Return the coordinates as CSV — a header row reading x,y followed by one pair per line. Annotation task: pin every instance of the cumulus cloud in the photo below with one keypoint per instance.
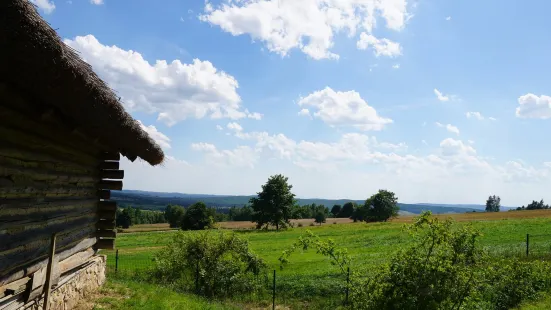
x,y
440,95
307,25
532,106
449,18
396,66
156,135
96,2
304,112
449,127
381,47
234,126
219,127
347,108
241,156
45,6
174,91
452,147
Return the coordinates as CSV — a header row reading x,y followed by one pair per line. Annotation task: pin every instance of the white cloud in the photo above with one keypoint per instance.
x,y
449,127
241,156
234,126
219,127
308,25
449,18
96,2
174,91
476,115
45,6
344,109
159,137
381,47
440,95
492,118
532,106
396,66
452,147
470,141
304,112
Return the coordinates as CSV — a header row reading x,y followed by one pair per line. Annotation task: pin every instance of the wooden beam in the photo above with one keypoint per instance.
x,y
104,194
41,262
113,165
110,156
103,224
107,205
106,244
109,184
49,272
106,215
112,174
106,234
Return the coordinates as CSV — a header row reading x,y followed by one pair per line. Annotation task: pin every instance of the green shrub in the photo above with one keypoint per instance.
x,y
437,272
311,224
300,225
210,263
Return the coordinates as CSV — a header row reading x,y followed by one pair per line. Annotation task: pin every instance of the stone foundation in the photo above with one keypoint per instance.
x,y
75,286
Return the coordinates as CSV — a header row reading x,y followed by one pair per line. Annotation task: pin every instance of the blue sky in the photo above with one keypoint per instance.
x,y
439,101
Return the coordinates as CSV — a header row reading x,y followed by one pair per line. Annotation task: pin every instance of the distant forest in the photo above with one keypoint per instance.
x,y
158,201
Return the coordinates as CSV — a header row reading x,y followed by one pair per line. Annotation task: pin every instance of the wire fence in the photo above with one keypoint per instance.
x,y
281,288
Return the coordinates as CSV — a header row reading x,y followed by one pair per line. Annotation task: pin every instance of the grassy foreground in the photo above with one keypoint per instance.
x,y
310,281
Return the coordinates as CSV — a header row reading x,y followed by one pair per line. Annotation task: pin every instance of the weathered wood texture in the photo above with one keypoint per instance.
x,y
52,180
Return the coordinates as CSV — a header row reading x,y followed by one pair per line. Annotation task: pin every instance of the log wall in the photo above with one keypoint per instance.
x,y
52,180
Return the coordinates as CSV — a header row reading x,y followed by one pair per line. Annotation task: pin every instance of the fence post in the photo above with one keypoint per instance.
x,y
274,291
527,244
347,285
117,261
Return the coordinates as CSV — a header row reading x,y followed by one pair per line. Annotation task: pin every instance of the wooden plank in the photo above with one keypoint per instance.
x,y
48,284
111,156
24,237
105,225
109,184
107,205
106,234
46,146
13,285
104,194
25,156
37,264
12,261
110,165
105,244
106,215
112,174
45,192
14,217
45,175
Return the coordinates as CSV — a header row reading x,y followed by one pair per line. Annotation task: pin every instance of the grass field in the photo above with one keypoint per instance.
x,y
310,277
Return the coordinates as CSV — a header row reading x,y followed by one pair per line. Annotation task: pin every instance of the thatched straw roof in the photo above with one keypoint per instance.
x,y
33,58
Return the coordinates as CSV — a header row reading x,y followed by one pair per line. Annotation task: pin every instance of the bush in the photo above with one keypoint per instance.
x,y
210,263
437,272
300,225
334,222
311,224
197,217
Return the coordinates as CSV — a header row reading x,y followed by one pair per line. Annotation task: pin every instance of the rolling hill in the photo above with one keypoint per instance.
x,y
158,201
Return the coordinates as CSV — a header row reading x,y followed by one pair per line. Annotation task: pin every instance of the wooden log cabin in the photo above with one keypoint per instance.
x,y
62,131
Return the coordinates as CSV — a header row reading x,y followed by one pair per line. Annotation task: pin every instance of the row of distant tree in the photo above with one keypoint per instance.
x,y
274,206
493,204
129,216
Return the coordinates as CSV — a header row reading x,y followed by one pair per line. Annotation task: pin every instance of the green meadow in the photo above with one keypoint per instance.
x,y
309,280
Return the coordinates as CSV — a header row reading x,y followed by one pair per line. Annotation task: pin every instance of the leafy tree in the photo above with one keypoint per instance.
x,y
198,217
380,207
244,213
273,204
336,210
320,217
123,219
347,209
493,203
536,205
174,215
